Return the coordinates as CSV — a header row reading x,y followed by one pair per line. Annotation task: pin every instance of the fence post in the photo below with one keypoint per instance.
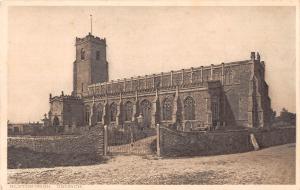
x,y
158,150
105,140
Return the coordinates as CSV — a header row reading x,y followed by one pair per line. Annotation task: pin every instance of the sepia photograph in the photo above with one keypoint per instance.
x,y
151,95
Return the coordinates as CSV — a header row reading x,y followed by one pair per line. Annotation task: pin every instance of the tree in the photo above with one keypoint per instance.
x,y
287,117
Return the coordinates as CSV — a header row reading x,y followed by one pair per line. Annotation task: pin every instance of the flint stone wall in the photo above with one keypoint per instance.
x,y
91,142
276,136
179,143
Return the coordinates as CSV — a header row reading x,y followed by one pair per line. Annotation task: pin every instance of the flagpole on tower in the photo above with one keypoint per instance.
x,y
91,16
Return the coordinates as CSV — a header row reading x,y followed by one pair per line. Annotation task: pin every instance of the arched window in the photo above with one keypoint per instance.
x,y
145,110
128,108
189,108
167,109
87,113
55,121
113,112
99,112
82,54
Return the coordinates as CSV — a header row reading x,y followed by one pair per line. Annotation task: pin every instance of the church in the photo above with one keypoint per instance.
x,y
226,95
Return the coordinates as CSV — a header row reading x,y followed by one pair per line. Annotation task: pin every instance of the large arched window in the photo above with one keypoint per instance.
x,y
99,112
113,112
128,108
82,54
87,113
55,121
145,110
189,108
167,109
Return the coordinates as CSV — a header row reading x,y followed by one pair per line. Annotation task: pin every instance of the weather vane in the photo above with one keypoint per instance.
x,y
91,16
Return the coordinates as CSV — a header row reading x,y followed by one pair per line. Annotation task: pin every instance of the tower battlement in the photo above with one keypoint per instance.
x,y
90,38
63,97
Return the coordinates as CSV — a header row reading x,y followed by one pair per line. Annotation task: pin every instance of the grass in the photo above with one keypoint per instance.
x,y
26,158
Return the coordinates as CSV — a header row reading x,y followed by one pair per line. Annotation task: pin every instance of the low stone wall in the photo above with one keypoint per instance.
x,y
178,143
91,142
275,136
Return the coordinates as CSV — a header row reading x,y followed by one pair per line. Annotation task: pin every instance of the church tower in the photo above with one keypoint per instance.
x,y
90,66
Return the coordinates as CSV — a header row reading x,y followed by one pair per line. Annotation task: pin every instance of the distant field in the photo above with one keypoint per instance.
x,y
275,165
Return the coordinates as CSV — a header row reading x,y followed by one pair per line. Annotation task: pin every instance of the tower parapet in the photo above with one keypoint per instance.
x,y
63,97
90,38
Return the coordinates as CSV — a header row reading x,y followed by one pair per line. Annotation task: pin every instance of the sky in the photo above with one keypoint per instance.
x,y
140,41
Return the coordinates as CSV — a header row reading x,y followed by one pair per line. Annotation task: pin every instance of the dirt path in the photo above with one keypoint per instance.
x,y
275,165
141,147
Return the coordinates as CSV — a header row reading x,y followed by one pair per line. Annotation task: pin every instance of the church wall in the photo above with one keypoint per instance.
x,y
56,108
73,113
200,104
199,96
263,99
236,89
233,97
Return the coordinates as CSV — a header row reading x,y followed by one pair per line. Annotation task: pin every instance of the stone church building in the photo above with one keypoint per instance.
x,y
226,95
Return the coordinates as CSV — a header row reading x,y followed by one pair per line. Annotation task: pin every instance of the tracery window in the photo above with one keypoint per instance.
x,y
128,108
113,112
145,110
167,109
189,108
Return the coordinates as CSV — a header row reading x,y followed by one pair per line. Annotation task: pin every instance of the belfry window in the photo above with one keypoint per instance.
x,y
97,55
82,54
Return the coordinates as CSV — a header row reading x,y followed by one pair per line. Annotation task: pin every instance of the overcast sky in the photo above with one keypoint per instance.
x,y
143,40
